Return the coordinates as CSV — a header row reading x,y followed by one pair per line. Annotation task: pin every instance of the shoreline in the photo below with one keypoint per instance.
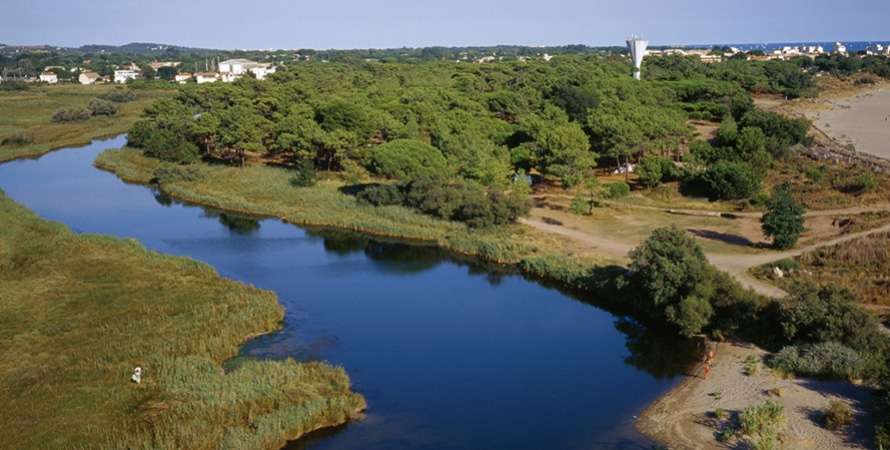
x,y
684,417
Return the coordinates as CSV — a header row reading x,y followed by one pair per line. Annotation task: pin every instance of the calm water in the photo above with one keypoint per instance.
x,y
449,352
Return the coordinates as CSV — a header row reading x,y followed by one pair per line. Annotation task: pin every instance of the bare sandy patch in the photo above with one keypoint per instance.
x,y
684,417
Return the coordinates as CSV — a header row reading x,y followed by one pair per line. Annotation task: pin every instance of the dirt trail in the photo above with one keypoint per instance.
x,y
736,264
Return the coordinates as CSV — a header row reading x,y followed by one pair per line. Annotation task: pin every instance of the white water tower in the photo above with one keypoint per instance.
x,y
637,47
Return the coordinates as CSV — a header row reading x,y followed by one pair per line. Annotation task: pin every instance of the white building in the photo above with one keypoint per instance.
x,y
232,69
49,77
124,75
181,78
89,78
206,77
876,49
839,48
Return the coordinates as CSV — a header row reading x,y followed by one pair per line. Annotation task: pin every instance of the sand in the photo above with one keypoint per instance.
x,y
862,121
684,419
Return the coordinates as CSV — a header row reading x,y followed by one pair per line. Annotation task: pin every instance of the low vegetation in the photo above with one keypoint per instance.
x,y
79,312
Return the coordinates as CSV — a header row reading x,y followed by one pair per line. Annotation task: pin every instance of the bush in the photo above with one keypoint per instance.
x,y
119,96
71,114
731,181
19,138
171,173
405,159
761,422
304,174
827,360
864,80
836,414
99,107
759,199
169,146
382,195
815,174
617,189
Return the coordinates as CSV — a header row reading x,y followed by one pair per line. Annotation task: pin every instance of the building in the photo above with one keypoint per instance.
x,y
839,48
232,69
181,78
49,77
124,75
206,77
89,78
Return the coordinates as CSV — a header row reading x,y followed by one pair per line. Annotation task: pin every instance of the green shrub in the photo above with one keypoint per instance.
x,y
171,173
304,174
836,414
829,360
787,265
19,138
166,145
99,107
815,174
761,422
730,181
617,189
119,96
382,195
71,114
864,80
759,199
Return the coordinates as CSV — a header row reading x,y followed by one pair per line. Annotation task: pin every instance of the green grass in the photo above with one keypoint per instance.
x,y
78,313
30,111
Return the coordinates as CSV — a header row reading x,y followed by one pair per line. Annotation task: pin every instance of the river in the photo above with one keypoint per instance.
x,y
449,352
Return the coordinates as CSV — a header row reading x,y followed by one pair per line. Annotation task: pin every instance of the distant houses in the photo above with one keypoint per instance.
x,y
232,69
89,78
124,75
49,77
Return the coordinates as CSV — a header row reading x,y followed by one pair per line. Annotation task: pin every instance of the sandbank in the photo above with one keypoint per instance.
x,y
861,121
683,418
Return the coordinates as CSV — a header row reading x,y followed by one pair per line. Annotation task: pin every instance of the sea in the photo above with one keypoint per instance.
x,y
852,47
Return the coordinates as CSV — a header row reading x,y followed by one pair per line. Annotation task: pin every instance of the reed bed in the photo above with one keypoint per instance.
x,y
79,312
28,113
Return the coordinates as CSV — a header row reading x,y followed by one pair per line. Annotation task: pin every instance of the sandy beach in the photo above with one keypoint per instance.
x,y
684,419
862,121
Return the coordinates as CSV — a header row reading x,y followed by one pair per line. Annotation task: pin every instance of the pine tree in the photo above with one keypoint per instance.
x,y
783,220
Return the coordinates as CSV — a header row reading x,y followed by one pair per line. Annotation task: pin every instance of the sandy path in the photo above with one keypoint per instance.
x,y
683,419
736,265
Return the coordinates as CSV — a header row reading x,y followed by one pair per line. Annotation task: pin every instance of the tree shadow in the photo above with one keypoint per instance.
x,y
728,238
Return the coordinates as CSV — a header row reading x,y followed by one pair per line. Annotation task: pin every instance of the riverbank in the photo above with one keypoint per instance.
x,y
79,312
687,417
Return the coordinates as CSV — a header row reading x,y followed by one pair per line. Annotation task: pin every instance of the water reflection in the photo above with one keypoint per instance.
x,y
662,358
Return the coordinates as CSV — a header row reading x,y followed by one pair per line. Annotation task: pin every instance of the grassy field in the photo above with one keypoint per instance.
x,y
29,112
79,312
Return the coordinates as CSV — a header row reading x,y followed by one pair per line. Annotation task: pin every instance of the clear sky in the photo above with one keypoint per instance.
x,y
348,24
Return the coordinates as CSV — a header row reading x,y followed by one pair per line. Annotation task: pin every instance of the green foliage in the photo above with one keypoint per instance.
x,y
172,173
405,159
99,107
761,423
382,195
579,205
465,202
865,182
837,414
169,146
616,189
830,313
119,96
19,138
730,180
71,114
783,220
827,360
13,86
304,174
665,271
814,174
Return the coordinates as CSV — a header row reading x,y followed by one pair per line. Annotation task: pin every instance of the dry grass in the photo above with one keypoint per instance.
x,y
30,111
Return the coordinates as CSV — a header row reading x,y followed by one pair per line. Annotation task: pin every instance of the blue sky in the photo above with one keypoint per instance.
x,y
346,24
